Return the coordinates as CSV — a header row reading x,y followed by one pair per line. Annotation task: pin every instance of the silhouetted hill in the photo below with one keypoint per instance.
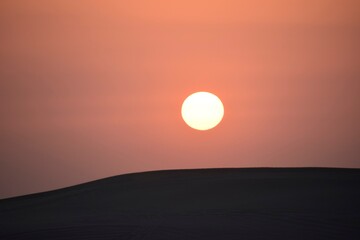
x,y
264,203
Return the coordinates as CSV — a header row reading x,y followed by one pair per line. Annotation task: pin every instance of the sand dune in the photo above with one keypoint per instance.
x,y
264,203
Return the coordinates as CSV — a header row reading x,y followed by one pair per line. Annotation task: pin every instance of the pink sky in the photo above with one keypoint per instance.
x,y
91,89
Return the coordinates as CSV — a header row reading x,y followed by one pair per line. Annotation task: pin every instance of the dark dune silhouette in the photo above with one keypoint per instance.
x,y
264,203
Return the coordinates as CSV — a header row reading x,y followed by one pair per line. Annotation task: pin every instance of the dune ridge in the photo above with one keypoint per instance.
x,y
247,203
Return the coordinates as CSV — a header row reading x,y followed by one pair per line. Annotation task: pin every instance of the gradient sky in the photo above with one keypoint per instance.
x,y
91,89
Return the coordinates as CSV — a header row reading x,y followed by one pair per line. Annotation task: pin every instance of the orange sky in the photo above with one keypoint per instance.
x,y
90,89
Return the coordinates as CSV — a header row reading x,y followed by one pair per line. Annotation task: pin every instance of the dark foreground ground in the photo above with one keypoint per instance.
x,y
291,204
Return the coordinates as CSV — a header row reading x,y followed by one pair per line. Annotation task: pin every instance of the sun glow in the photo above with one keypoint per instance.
x,y
202,110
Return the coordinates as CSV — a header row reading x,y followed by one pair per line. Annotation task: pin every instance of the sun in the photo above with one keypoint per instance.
x,y
202,110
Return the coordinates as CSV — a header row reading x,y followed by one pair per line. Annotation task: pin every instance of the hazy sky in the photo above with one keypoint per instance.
x,y
91,89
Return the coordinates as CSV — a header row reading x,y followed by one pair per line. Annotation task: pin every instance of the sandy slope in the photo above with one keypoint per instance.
x,y
268,203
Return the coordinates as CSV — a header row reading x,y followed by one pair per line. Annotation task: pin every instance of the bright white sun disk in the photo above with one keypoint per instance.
x,y
202,110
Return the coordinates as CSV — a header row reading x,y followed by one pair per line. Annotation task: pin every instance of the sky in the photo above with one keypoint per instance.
x,y
91,89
